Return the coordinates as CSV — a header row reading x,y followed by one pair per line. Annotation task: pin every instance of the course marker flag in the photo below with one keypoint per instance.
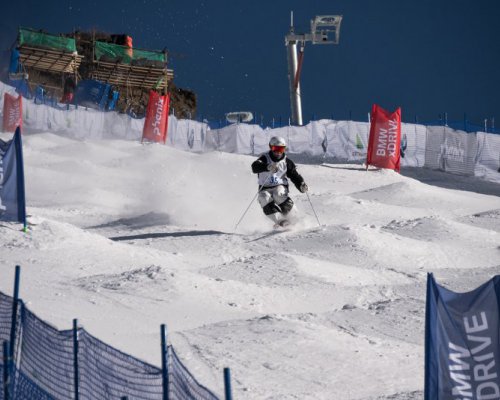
x,y
156,121
12,112
12,195
385,139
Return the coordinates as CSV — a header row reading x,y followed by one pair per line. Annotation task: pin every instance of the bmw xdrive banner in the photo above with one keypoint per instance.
x,y
385,139
12,112
156,121
12,197
462,357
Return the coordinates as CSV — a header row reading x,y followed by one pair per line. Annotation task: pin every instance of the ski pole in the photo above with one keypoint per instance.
x,y
241,219
314,211
254,197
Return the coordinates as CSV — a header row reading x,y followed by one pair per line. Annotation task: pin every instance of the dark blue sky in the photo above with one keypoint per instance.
x,y
427,56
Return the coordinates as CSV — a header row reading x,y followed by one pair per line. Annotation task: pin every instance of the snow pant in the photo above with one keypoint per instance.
x,y
275,200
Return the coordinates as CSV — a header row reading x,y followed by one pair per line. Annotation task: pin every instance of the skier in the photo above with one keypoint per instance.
x,y
273,169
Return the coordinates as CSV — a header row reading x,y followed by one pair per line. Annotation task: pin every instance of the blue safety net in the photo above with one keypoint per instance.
x,y
183,386
6,306
92,94
107,373
6,303
45,360
5,323
44,366
26,389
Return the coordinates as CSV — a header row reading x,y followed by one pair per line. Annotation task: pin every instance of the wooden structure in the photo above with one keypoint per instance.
x,y
126,75
47,60
55,61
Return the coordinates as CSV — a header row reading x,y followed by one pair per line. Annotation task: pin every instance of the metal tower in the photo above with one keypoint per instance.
x,y
325,29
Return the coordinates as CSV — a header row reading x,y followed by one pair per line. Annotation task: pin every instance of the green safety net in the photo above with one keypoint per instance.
x,y
126,55
43,40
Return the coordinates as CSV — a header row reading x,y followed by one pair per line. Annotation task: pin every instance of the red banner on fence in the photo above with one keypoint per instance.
x,y
385,139
156,122
12,113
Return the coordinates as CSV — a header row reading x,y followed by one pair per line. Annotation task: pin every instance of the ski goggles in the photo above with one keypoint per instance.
x,y
278,149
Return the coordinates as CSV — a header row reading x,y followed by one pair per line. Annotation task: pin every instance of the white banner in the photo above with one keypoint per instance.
x,y
413,139
347,140
488,157
450,150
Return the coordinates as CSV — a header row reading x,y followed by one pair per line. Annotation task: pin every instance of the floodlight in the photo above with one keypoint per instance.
x,y
324,25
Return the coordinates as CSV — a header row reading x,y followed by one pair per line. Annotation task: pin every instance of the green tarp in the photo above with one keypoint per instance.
x,y
43,40
123,54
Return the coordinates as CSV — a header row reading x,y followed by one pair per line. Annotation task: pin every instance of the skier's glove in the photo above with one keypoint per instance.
x,y
303,187
273,168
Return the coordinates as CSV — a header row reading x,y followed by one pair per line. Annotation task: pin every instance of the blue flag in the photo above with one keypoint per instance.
x,y
12,197
462,348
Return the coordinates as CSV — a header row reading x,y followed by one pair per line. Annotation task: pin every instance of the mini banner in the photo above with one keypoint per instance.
x,y
156,121
12,197
462,359
385,139
12,112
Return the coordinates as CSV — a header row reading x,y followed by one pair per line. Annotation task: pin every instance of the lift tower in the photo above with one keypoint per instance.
x,y
325,29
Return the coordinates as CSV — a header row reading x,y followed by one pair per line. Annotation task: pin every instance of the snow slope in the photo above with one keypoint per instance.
x,y
125,236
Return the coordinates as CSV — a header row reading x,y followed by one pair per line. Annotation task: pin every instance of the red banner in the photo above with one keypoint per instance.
x,y
385,139
12,113
156,122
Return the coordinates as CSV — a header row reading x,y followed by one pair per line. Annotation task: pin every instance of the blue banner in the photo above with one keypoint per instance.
x,y
12,197
462,358
92,94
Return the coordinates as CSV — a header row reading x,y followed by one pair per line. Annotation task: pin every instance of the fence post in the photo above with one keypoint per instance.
x,y
164,361
227,384
15,304
6,371
75,359
465,122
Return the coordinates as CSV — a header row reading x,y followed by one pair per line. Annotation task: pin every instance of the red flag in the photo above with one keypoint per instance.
x,y
12,113
385,139
156,122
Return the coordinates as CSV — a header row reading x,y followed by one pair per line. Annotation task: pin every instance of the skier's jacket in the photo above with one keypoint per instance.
x,y
286,169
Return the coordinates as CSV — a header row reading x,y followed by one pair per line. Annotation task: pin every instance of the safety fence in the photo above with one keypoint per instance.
x,y
41,96
39,362
436,146
466,125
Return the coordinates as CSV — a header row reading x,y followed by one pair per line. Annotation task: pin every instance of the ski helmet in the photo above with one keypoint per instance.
x,y
277,141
